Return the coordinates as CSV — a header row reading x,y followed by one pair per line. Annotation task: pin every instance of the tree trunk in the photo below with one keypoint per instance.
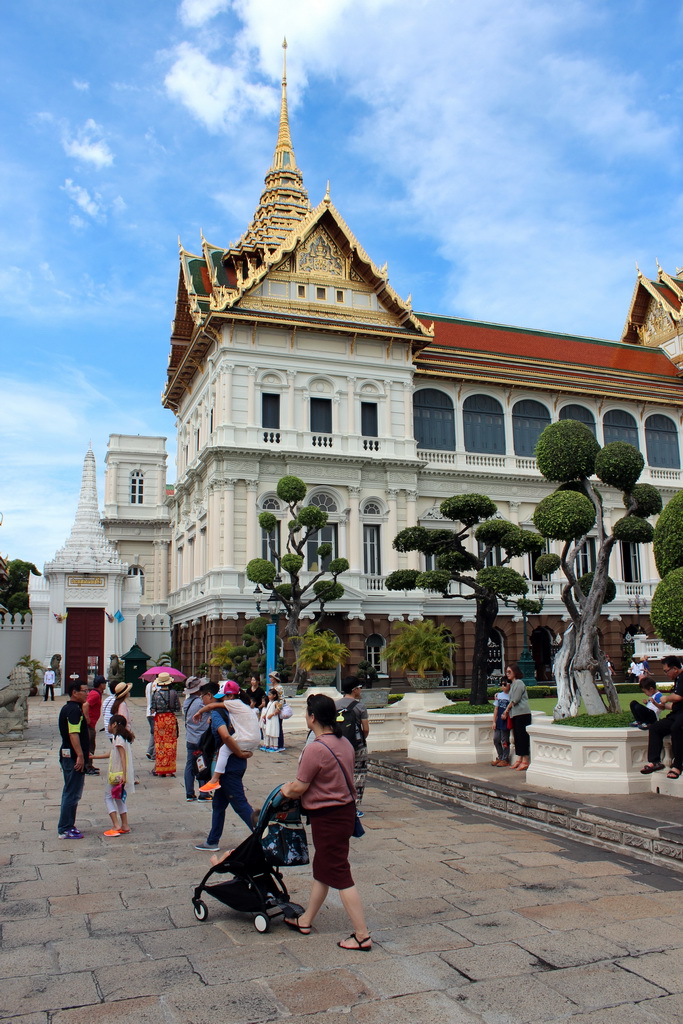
x,y
487,611
568,696
584,663
610,689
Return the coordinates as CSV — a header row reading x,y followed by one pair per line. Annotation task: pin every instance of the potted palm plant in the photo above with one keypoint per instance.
x,y
320,653
422,650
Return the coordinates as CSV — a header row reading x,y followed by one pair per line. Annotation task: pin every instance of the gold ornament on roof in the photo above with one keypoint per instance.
x,y
321,255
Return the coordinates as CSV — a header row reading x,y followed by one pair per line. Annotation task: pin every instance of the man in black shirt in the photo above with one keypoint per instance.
x,y
73,757
671,725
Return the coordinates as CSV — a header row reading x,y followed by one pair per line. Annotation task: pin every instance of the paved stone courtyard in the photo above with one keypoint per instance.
x,y
473,919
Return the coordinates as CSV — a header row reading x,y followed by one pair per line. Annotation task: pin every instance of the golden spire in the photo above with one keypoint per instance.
x,y
283,158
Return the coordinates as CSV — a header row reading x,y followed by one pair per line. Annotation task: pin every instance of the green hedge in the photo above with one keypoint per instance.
x,y
532,691
394,698
462,708
608,721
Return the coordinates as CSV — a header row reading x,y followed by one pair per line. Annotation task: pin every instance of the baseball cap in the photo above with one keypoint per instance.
x,y
230,687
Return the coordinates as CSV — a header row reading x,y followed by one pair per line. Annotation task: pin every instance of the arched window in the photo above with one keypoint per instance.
x,y
271,505
580,413
661,441
484,425
434,420
137,570
324,501
529,420
136,486
372,508
618,425
374,650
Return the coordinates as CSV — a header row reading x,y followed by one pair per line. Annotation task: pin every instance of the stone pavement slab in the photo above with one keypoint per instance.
x,y
475,919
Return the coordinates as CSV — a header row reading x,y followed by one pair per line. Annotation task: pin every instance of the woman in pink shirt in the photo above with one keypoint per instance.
x,y
324,783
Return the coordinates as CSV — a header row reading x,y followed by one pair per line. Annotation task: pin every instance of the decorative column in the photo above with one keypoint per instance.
x,y
251,396
390,555
411,520
227,393
407,408
229,523
336,404
291,377
351,425
252,523
214,527
354,558
161,553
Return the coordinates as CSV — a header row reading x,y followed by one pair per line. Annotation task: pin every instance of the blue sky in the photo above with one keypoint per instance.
x,y
510,159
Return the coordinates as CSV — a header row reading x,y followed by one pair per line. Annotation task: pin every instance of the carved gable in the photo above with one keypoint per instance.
x,y
320,255
658,323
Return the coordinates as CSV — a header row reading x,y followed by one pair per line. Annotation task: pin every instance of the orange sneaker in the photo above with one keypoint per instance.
x,y
113,832
209,787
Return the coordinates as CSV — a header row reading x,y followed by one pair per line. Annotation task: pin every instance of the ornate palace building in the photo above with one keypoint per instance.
x,y
291,353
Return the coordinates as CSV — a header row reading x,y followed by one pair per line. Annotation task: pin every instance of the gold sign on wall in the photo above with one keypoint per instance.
x,y
86,581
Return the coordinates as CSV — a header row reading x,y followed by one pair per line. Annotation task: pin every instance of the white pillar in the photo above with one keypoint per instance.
x,y
354,555
411,520
351,426
390,554
251,397
161,546
213,526
229,524
252,523
227,394
290,421
407,410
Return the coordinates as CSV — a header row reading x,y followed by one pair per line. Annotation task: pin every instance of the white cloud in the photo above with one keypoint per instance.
x,y
80,85
197,12
217,95
88,145
90,204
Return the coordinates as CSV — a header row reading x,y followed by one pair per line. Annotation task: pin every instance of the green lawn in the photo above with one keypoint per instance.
x,y
548,703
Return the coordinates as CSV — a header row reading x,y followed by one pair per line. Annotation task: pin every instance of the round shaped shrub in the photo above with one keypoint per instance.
x,y
267,521
668,543
291,489
586,582
434,580
457,561
564,515
312,517
324,550
580,486
337,566
502,580
522,542
256,627
666,612
529,605
494,531
566,451
284,590
634,530
619,464
402,579
648,500
292,563
261,571
468,509
411,539
328,590
546,565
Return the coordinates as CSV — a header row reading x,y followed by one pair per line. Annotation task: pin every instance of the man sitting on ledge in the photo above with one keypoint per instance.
x,y
672,725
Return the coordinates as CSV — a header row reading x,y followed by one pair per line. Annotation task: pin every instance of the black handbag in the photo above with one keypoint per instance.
x,y
285,844
358,830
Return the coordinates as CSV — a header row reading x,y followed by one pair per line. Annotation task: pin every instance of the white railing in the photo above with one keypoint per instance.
x,y
372,584
271,436
370,444
539,588
492,461
322,441
664,474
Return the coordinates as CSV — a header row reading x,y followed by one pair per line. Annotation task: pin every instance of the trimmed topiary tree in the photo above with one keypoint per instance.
x,y
455,564
666,612
568,453
305,521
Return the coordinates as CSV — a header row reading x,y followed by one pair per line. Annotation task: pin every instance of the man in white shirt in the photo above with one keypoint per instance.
x,y
149,690
49,683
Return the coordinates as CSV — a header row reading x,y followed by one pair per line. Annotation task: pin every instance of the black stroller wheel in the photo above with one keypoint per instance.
x,y
261,922
201,911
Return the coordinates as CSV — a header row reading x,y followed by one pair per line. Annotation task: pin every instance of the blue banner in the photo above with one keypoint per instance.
x,y
271,654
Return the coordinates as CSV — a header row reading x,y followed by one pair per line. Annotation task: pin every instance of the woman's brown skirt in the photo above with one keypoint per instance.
x,y
331,829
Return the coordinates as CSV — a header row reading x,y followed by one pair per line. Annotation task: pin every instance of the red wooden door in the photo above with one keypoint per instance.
x,y
84,640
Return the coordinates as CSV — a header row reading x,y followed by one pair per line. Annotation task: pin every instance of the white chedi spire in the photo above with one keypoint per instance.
x,y
87,549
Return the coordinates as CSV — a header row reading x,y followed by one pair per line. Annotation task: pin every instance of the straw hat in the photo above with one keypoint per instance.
x,y
164,679
122,690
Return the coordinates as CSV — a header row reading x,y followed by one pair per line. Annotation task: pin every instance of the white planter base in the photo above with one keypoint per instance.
x,y
573,760
449,739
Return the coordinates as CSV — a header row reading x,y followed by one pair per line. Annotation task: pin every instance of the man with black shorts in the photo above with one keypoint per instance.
x,y
672,725
73,757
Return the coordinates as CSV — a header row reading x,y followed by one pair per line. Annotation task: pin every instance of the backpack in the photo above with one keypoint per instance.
x,y
205,752
244,725
164,699
349,722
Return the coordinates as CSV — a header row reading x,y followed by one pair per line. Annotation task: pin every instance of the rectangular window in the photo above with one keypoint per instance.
x,y
368,419
321,415
211,421
630,562
531,558
585,560
340,295
328,535
372,562
270,411
321,293
494,557
196,440
266,547
301,291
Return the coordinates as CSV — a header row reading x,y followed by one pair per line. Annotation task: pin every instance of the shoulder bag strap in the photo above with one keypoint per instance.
x,y
197,697
346,778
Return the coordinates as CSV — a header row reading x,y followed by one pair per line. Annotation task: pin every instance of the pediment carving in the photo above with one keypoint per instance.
x,y
320,255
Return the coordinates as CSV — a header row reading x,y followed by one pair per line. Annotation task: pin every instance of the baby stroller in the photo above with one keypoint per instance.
x,y
257,887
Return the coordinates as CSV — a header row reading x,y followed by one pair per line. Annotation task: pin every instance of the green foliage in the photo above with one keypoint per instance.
x,y
420,647
502,580
321,649
328,590
402,579
586,582
634,530
494,531
256,627
546,565
435,580
566,451
521,542
366,673
267,521
463,709
284,590
14,591
666,612
291,489
580,486
261,571
532,692
468,509
312,517
324,550
620,720
564,515
338,566
668,542
529,606
292,563
648,500
619,464
429,542
457,562
223,655
33,666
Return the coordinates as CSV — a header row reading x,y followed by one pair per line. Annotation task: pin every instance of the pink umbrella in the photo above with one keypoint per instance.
x,y
156,670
